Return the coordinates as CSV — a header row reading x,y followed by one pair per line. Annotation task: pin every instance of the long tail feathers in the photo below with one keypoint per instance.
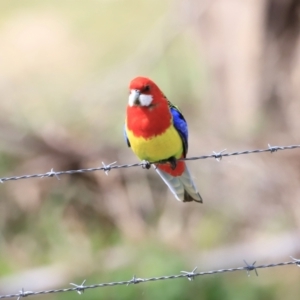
x,y
181,186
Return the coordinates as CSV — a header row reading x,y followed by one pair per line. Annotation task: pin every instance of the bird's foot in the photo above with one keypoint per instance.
x,y
146,164
173,162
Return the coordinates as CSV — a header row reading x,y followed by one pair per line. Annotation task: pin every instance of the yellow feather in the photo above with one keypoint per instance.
x,y
156,148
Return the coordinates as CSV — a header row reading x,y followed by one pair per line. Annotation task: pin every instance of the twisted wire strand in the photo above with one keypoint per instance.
x,y
106,168
135,280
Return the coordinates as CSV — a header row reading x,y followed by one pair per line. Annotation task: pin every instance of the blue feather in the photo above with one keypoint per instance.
x,y
181,126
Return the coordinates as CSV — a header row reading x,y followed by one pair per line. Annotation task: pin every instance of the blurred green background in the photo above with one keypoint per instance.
x,y
232,67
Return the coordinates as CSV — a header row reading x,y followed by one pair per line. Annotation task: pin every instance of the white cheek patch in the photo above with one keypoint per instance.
x,y
145,100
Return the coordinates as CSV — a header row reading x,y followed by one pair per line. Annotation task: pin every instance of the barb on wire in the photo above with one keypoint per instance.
x,y
135,280
250,268
51,174
297,261
79,288
145,164
107,168
190,275
184,274
218,155
22,293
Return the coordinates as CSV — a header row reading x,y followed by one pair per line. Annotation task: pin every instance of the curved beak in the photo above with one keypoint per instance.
x,y
134,97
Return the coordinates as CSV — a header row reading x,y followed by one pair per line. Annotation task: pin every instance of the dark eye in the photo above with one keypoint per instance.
x,y
146,88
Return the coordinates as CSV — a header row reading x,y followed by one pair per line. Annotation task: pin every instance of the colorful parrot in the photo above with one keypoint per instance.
x,y
156,130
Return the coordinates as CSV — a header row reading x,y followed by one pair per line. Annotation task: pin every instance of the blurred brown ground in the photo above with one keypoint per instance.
x,y
233,68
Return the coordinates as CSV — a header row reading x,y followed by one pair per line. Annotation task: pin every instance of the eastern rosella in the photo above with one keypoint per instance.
x,y
156,130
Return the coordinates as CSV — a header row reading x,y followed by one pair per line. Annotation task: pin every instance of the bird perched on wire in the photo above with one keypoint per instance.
x,y
156,130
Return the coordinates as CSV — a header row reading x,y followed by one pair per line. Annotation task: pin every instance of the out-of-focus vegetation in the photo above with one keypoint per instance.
x,y
232,67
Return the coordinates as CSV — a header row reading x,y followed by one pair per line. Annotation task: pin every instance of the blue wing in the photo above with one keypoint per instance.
x,y
180,125
125,137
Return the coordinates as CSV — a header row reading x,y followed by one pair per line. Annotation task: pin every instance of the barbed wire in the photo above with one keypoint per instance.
x,y
80,288
146,165
136,280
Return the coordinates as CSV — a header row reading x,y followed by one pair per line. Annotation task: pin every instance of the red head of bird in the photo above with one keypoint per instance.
x,y
147,105
144,92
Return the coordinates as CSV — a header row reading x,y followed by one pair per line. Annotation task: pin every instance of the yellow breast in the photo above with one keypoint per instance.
x,y
157,148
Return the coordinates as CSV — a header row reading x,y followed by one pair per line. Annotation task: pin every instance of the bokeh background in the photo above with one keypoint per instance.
x,y
232,66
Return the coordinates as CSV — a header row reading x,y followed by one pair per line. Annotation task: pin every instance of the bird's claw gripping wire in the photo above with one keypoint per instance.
x,y
218,155
146,164
107,168
250,268
173,162
79,288
190,275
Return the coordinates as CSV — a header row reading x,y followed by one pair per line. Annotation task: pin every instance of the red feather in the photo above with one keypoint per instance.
x,y
150,121
180,167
